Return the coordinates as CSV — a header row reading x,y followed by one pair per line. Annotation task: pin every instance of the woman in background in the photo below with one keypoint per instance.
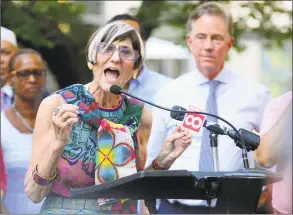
x,y
27,71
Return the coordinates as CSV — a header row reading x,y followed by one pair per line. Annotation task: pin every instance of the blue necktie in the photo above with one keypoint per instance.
x,y
206,162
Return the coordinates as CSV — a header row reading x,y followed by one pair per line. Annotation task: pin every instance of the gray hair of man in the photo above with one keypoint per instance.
x,y
212,9
115,31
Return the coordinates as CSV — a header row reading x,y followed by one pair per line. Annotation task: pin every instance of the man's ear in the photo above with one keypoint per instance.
x,y
188,40
231,42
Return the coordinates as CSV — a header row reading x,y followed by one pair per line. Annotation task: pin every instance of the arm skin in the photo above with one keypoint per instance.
x,y
46,149
143,135
272,143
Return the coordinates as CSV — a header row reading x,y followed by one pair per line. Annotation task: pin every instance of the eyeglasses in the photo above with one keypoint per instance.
x,y
125,53
25,74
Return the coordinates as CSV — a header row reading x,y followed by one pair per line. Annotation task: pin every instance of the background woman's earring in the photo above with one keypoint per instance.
x,y
134,76
90,65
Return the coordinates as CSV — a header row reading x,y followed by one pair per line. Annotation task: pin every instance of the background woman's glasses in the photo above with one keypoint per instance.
x,y
25,74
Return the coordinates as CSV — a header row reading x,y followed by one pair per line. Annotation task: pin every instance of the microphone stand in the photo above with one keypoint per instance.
x,y
214,144
215,130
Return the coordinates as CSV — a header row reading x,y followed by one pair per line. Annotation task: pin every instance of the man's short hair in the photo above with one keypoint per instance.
x,y
214,9
126,16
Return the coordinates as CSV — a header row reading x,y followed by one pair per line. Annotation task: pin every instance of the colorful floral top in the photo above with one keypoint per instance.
x,y
92,156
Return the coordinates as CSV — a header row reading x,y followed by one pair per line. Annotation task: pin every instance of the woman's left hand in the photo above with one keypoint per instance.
x,y
174,146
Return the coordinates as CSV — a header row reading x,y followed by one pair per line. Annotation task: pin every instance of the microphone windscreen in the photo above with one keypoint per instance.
x,y
251,140
176,115
115,89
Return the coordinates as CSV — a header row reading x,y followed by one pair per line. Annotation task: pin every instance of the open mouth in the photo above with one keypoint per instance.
x,y
112,73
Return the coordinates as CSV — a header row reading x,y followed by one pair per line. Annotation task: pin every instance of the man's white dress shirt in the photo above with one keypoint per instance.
x,y
239,101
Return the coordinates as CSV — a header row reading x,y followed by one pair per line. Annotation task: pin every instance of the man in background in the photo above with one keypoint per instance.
x,y
215,88
8,49
145,83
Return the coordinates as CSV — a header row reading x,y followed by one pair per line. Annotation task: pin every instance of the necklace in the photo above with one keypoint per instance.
x,y
22,119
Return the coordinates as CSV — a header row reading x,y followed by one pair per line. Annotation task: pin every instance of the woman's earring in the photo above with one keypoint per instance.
x,y
134,75
90,65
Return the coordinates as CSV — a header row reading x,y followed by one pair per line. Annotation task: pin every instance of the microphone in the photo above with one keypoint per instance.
x,y
251,140
117,90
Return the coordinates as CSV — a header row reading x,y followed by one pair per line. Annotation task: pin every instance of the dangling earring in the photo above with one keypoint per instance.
x,y
134,75
90,65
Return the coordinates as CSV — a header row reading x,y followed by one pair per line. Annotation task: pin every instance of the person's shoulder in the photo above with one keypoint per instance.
x,y
285,96
72,87
60,96
283,99
159,77
176,88
51,100
178,83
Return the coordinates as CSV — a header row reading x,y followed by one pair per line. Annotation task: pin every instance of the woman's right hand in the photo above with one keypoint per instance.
x,y
64,116
174,146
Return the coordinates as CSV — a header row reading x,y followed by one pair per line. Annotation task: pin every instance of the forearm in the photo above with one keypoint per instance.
x,y
163,162
272,142
46,169
266,153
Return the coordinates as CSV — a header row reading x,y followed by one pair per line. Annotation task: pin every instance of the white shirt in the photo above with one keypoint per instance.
x,y
16,148
240,101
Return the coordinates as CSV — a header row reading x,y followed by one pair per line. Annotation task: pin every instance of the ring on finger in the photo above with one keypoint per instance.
x,y
56,110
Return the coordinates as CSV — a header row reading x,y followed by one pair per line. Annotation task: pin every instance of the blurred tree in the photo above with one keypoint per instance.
x,y
260,18
56,30
251,17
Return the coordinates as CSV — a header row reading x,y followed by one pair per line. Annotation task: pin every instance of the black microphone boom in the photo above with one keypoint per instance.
x,y
114,89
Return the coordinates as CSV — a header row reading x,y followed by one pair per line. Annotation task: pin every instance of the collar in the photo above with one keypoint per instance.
x,y
141,76
222,77
7,89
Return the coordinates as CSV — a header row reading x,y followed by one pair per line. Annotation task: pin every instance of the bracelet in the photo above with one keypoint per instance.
x,y
40,180
156,166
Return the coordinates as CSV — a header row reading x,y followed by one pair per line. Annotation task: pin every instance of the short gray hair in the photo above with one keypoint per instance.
x,y
111,32
211,8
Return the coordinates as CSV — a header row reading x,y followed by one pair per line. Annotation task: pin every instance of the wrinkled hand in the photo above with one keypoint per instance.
x,y
174,146
64,116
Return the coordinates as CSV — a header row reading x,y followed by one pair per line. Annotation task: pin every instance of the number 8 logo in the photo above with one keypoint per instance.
x,y
193,121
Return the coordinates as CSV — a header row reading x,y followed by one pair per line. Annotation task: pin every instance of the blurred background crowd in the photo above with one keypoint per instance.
x,y
58,31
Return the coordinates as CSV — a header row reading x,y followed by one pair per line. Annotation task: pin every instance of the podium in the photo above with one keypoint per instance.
x,y
236,191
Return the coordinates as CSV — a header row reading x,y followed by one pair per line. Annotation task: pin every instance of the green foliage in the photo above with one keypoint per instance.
x,y
277,73
46,23
175,14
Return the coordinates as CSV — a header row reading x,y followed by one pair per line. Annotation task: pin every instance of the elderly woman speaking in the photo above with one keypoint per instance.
x,y
84,135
